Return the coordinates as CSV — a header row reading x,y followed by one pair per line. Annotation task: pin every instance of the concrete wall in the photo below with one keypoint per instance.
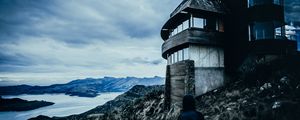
x,y
206,56
202,73
181,78
207,79
168,89
209,67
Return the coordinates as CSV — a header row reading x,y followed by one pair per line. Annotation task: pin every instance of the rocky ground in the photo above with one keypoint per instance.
x,y
263,90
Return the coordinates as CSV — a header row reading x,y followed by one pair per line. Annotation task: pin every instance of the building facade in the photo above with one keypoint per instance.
x,y
206,40
267,33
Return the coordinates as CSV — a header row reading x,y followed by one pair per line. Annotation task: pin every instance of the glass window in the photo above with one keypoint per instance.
x,y
198,22
172,32
185,25
186,53
169,60
180,55
266,30
179,28
278,32
173,60
183,58
263,2
263,30
175,57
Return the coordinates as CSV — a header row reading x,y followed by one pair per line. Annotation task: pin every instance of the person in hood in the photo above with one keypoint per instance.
x,y
188,111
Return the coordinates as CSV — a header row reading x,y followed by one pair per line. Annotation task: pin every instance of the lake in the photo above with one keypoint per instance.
x,y
64,105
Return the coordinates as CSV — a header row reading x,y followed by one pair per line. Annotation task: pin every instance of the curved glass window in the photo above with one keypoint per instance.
x,y
266,30
264,2
202,23
180,28
178,56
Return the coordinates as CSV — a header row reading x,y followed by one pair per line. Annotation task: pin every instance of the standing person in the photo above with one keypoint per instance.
x,y
188,111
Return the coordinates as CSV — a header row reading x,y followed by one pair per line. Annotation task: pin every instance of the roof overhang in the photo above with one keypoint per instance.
x,y
184,15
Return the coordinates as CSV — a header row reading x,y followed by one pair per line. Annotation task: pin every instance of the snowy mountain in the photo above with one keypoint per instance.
x,y
89,87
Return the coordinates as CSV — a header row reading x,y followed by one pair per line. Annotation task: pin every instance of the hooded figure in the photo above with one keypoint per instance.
x,y
188,109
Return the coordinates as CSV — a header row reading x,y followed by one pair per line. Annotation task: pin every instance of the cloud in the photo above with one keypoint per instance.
x,y
139,60
63,40
292,10
79,22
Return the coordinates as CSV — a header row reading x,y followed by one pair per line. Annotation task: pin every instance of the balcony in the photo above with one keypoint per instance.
x,y
192,36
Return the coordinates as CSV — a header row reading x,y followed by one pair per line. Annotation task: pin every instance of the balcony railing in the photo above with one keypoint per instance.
x,y
193,36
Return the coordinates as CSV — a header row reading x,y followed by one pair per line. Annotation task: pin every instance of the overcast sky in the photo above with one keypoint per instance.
x,y
54,41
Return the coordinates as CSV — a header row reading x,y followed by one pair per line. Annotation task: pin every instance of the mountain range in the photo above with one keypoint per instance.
x,y
89,87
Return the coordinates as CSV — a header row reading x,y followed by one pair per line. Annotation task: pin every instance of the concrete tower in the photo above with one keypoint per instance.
x,y
193,46
204,39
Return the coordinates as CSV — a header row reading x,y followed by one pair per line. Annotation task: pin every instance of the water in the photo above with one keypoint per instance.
x,y
64,105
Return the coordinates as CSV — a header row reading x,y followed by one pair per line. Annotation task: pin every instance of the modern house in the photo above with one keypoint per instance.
x,y
205,41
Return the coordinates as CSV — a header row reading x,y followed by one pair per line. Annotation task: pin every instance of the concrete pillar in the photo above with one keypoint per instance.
x,y
168,89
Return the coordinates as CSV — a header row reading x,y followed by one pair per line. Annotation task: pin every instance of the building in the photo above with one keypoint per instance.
x,y
293,33
267,28
205,41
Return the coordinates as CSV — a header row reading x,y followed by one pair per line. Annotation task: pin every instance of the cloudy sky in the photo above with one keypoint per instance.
x,y
61,40
54,41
